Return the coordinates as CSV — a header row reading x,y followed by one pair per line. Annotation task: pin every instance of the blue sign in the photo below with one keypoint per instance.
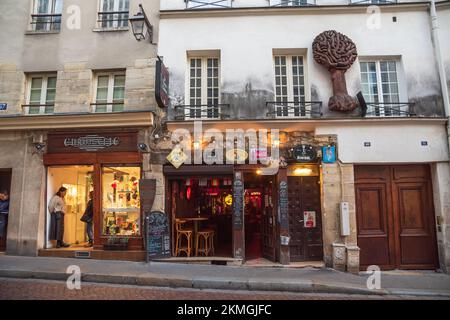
x,y
329,154
3,106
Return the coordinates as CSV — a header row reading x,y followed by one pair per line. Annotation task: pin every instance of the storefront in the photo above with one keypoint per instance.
x,y
107,167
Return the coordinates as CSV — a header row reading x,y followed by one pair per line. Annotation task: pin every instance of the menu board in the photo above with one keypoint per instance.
x,y
238,204
284,205
157,235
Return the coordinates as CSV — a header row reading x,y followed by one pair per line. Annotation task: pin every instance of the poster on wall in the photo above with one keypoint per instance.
x,y
329,154
309,219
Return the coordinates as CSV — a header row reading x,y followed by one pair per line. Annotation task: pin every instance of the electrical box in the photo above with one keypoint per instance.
x,y
345,219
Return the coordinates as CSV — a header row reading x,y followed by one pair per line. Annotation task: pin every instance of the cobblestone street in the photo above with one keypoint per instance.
x,y
49,289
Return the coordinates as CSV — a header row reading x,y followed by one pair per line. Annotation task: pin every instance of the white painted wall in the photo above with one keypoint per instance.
x,y
390,142
246,43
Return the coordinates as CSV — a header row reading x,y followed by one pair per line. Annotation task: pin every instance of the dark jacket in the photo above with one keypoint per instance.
x,y
89,212
4,206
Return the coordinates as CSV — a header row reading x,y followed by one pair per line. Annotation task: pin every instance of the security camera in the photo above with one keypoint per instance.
x,y
39,146
142,147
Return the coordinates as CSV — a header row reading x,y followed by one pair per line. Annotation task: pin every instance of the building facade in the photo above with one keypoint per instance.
x,y
239,65
297,131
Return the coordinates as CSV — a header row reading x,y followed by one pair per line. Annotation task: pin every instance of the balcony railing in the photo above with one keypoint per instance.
x,y
202,112
107,107
295,3
113,19
31,109
205,4
293,109
45,22
399,109
372,1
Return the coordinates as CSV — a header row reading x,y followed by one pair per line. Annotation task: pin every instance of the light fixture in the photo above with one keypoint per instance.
x,y
276,142
142,146
302,171
258,171
197,144
141,26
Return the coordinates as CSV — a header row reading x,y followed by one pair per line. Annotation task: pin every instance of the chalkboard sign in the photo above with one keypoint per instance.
x,y
157,235
304,153
238,204
283,205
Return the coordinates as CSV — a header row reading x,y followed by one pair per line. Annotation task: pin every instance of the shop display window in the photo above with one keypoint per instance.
x,y
121,205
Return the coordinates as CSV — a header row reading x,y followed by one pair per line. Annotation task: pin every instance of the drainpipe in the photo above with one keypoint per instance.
x,y
440,64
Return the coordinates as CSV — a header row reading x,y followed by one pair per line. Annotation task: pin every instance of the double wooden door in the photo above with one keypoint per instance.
x,y
305,240
395,217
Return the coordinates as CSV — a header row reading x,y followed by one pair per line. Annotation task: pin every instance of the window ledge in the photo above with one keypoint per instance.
x,y
34,32
110,29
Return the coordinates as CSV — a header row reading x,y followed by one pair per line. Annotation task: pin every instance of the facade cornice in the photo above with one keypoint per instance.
x,y
442,5
76,121
302,124
262,11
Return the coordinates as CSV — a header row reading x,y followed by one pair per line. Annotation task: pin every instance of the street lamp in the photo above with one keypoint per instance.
x,y
141,26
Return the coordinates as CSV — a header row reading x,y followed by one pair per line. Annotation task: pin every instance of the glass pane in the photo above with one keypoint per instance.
x,y
102,94
119,81
121,202
103,81
118,94
117,107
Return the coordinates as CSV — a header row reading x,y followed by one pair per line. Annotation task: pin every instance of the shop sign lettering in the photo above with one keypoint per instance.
x,y
91,142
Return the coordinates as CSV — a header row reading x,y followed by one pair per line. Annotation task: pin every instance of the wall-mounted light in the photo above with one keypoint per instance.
x,y
142,147
197,144
142,29
302,171
258,172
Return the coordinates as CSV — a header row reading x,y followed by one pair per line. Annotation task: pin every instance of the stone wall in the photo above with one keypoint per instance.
x,y
12,88
74,88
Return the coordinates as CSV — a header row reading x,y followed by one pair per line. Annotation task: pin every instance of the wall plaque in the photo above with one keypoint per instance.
x,y
238,204
304,153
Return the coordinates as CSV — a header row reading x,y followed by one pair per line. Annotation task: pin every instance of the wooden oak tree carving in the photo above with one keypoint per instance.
x,y
336,52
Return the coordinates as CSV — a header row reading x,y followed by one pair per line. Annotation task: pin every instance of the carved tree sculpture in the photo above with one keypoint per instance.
x,y
337,53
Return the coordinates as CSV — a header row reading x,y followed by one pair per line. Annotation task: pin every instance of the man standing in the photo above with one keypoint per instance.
x,y
57,209
4,210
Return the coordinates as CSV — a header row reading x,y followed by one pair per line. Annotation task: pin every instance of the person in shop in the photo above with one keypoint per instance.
x,y
57,209
88,218
4,210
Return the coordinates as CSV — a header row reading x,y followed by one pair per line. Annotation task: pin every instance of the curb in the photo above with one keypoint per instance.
x,y
294,286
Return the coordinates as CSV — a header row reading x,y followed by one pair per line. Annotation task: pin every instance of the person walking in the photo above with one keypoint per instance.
x,y
57,209
88,218
4,210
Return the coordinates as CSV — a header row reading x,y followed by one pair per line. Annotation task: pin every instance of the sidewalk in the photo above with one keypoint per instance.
x,y
321,280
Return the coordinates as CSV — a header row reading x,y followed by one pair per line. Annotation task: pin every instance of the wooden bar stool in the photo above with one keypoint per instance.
x,y
183,233
206,246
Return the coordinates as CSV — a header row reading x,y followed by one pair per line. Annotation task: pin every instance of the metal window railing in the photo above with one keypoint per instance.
x,y
99,107
204,112
391,109
46,22
113,19
204,4
372,1
294,109
31,109
295,3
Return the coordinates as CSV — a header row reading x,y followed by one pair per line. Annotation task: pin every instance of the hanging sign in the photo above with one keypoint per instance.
x,y
162,85
329,154
157,235
304,153
309,218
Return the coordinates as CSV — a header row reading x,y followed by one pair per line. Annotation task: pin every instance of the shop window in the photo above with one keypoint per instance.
x,y
110,92
41,94
121,205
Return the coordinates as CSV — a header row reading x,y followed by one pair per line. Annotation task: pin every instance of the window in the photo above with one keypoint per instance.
x,y
46,15
113,14
293,3
121,204
203,95
289,86
41,94
202,4
380,86
110,91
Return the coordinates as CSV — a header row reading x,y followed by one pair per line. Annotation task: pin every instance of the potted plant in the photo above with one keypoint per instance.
x,y
116,243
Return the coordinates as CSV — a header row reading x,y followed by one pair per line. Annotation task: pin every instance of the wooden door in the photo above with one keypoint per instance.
x,y
268,222
395,217
304,196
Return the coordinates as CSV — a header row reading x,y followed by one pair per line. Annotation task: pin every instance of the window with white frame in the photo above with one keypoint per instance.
x,y
46,15
41,94
203,93
113,14
380,87
289,86
110,92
